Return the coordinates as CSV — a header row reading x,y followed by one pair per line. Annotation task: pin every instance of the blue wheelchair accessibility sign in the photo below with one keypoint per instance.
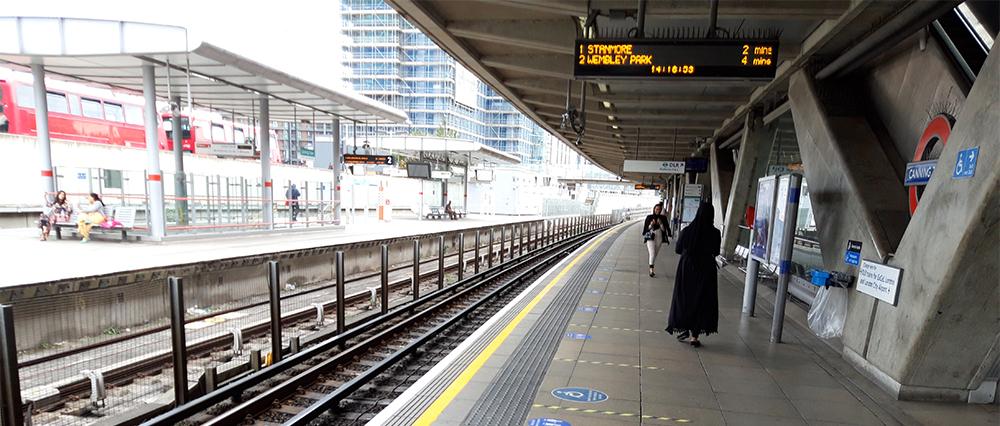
x,y
579,394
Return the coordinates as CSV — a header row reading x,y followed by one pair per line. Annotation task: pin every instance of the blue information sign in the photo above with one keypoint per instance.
x,y
579,394
853,254
544,421
965,164
577,336
919,173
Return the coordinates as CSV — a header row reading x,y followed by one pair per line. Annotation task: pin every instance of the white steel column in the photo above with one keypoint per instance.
x,y
42,125
154,178
337,166
465,184
267,203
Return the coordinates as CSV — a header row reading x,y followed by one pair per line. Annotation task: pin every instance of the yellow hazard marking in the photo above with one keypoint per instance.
x,y
610,364
622,308
438,406
610,413
601,327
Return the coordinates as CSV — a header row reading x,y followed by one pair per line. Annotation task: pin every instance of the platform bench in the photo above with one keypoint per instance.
x,y
123,214
439,213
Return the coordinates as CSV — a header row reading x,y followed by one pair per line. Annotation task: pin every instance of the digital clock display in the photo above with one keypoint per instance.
x,y
675,59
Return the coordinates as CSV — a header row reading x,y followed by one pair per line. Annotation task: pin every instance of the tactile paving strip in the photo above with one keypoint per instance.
x,y
508,399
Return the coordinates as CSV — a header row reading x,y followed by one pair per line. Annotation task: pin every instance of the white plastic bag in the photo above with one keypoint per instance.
x,y
828,312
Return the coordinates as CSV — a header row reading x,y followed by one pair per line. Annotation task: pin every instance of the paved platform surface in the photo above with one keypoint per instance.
x,y
610,362
37,261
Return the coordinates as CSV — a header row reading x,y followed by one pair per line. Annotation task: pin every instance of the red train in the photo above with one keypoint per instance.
x,y
88,114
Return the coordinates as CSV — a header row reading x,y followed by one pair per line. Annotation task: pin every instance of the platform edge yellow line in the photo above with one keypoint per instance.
x,y
438,406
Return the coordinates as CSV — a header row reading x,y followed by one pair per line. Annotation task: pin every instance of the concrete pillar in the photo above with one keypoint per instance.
x,y
942,337
267,191
180,179
42,127
721,171
154,177
338,165
855,193
752,165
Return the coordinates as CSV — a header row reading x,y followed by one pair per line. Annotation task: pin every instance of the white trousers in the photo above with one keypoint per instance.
x,y
653,246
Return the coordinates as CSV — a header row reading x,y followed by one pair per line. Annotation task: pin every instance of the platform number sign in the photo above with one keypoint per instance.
x,y
579,394
544,421
965,164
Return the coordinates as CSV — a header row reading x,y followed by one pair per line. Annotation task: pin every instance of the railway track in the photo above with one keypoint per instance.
x,y
72,391
371,362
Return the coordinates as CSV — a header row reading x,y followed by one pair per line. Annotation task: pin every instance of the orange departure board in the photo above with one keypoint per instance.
x,y
675,59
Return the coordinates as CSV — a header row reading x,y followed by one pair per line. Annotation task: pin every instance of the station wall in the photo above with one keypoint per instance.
x,y
908,86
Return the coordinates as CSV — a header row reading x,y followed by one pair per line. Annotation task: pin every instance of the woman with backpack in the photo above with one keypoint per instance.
x,y
654,233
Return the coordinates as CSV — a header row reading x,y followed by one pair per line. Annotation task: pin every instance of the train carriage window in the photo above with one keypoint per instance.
x,y
114,112
133,115
218,133
57,102
74,105
238,136
92,108
25,97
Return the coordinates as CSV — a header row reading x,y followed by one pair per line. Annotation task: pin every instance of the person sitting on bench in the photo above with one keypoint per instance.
x,y
91,215
451,212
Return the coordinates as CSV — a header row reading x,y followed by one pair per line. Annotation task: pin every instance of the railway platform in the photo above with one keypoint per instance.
x,y
21,247
585,345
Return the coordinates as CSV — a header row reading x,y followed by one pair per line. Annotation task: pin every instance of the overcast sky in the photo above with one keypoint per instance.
x,y
295,36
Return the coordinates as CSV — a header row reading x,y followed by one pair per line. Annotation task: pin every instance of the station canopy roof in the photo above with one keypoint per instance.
x,y
111,53
446,150
524,49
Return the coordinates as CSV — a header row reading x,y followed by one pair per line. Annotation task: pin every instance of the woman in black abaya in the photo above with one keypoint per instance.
x,y
695,307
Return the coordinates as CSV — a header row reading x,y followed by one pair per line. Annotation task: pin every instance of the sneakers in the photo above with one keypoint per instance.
x,y
84,240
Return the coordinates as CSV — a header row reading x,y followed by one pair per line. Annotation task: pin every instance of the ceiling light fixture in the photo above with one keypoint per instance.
x,y
607,104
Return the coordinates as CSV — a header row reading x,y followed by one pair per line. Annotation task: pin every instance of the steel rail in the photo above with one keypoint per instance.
x,y
236,387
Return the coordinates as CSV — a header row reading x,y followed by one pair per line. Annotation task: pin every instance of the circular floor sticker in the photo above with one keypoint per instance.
x,y
543,421
579,394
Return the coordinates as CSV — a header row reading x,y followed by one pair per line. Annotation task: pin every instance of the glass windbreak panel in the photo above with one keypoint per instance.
x,y
114,112
92,108
785,158
112,179
57,103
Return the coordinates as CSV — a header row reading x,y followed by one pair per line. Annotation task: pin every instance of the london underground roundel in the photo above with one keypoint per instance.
x,y
936,132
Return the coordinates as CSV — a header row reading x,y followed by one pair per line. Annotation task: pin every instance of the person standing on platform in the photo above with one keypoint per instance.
x,y
91,214
654,233
292,198
695,307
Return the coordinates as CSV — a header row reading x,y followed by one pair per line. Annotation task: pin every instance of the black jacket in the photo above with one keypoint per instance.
x,y
649,225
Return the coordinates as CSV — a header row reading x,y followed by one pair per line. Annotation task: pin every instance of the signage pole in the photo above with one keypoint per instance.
x,y
785,263
750,286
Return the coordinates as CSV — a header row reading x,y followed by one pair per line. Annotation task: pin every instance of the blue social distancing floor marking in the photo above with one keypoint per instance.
x,y
545,421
